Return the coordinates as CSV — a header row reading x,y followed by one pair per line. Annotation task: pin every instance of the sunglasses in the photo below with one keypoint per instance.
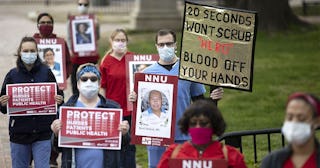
x,y
45,22
168,44
85,78
83,4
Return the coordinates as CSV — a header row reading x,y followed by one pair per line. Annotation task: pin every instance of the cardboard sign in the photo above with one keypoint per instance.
x,y
83,31
154,113
134,64
218,46
53,53
197,163
90,128
31,99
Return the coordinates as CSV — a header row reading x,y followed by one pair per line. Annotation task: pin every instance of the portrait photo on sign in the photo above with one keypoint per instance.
x,y
83,35
137,67
51,55
154,109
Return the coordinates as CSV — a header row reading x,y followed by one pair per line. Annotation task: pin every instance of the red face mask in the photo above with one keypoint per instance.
x,y
200,135
46,30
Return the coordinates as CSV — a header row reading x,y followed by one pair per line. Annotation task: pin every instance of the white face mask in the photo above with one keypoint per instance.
x,y
28,57
166,53
89,89
83,9
119,47
296,132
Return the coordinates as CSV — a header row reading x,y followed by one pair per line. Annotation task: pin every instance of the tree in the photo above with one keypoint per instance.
x,y
273,15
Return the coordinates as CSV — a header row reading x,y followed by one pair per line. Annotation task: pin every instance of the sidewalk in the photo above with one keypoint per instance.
x,y
16,23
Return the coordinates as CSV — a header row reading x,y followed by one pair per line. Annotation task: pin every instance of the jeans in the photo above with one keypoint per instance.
x,y
154,155
21,154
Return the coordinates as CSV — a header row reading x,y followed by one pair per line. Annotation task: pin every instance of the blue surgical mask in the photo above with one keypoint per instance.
x,y
28,57
166,53
89,89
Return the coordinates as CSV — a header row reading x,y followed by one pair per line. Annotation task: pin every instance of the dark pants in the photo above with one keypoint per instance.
x,y
128,152
74,79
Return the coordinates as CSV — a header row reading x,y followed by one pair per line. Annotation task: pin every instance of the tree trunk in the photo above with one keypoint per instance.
x,y
273,15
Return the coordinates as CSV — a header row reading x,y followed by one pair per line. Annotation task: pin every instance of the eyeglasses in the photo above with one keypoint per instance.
x,y
120,40
200,123
85,78
168,44
45,22
83,4
26,50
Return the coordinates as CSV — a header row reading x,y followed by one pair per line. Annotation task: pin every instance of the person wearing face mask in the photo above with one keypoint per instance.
x,y
188,91
78,58
113,84
88,77
30,136
302,118
45,24
202,120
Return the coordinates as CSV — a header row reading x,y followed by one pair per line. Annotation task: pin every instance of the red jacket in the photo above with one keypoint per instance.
x,y
213,151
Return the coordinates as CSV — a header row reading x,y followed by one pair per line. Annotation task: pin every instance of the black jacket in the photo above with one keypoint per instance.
x,y
277,158
28,129
112,157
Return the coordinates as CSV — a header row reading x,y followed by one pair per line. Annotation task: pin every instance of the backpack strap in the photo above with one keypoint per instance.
x,y
176,151
225,151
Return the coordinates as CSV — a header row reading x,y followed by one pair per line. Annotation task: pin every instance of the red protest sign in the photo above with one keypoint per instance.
x,y
90,128
83,35
134,64
199,163
31,99
154,113
52,52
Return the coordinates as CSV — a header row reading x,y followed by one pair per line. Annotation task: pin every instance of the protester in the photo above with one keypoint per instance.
x,y
202,120
29,135
45,24
113,84
301,120
88,77
78,58
188,91
155,115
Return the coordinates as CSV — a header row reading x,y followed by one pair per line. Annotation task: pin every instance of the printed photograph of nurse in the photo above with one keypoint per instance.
x,y
154,110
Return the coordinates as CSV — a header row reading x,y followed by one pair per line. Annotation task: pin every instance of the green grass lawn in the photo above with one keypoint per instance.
x,y
283,63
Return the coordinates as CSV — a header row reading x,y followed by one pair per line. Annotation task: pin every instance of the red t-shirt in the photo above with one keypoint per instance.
x,y
310,163
113,80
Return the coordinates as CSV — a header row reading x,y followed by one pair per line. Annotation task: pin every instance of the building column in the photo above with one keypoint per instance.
x,y
155,15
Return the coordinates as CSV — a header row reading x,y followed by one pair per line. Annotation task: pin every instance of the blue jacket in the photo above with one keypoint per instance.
x,y
28,129
112,156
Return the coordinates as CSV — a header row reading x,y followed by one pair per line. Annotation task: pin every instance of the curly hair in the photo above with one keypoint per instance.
x,y
207,108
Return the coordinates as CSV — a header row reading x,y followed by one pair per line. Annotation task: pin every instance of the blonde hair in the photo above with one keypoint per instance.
x,y
112,36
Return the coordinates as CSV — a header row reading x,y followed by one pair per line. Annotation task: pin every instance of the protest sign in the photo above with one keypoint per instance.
x,y
52,52
31,99
154,113
134,64
90,128
197,163
83,35
217,46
